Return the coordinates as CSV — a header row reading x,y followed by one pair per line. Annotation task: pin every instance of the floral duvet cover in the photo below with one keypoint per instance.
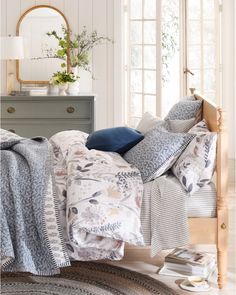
x,y
100,197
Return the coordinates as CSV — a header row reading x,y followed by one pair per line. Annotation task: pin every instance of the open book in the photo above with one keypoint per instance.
x,y
186,256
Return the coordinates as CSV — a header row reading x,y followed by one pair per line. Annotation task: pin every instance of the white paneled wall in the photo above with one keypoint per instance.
x,y
228,57
3,25
94,14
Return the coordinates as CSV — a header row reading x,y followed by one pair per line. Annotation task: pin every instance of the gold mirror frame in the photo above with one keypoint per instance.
x,y
17,34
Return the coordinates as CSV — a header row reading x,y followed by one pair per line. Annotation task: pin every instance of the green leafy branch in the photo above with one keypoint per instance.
x,y
63,77
75,50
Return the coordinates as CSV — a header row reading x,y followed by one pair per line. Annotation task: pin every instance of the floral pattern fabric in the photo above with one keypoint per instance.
x,y
100,197
195,167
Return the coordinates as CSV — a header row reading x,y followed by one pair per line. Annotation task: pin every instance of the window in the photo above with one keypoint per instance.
x,y
151,56
170,46
170,53
203,47
141,52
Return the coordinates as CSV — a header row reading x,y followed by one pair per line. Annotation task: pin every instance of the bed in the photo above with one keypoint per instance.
x,y
213,229
209,229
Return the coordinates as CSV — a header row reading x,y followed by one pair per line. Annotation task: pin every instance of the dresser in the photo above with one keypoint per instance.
x,y
30,116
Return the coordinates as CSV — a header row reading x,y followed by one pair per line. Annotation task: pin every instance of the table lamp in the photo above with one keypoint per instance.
x,y
12,48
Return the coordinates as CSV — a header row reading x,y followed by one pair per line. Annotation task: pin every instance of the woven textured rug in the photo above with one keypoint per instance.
x,y
85,278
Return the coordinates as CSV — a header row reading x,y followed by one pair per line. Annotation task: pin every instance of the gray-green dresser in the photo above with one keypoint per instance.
x,y
31,116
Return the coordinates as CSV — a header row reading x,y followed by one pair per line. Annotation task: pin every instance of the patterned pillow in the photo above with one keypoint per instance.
x,y
180,126
157,152
184,110
195,167
200,127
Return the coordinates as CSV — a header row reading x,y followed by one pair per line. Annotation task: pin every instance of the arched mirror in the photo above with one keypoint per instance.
x,y
33,26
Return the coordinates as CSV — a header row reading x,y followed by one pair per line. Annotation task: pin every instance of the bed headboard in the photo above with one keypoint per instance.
x,y
215,118
211,113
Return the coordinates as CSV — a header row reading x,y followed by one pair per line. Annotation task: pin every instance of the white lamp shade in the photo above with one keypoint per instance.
x,y
12,47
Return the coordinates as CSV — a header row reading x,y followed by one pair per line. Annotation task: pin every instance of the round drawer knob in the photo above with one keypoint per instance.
x,y
223,226
11,110
12,130
70,110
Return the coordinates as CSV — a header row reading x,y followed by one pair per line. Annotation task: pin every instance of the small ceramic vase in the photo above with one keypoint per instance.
x,y
73,88
53,89
62,89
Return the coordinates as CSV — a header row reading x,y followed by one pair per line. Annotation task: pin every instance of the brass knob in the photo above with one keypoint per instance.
x,y
11,110
12,130
70,110
223,226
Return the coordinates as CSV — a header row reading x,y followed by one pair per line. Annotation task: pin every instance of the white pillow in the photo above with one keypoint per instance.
x,y
195,167
189,97
180,126
147,122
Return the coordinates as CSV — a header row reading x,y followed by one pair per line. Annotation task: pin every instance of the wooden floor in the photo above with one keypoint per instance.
x,y
146,266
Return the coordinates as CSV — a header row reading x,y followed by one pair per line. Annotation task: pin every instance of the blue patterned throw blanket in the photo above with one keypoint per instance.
x,y
31,239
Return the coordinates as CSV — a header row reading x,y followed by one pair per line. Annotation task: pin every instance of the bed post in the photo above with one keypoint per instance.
x,y
222,188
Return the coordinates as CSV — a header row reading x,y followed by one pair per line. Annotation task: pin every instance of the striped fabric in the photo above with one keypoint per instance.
x,y
203,202
165,209
164,217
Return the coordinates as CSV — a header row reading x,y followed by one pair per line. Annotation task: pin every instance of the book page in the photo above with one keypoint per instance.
x,y
189,256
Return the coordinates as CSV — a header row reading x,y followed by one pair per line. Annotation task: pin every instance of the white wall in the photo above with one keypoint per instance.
x,y
229,76
94,14
234,127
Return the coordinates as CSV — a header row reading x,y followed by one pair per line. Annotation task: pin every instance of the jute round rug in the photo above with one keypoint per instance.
x,y
85,278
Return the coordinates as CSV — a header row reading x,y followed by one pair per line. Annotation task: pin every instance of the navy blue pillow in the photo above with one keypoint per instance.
x,y
117,139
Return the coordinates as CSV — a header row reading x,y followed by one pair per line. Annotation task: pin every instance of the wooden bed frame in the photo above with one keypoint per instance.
x,y
214,230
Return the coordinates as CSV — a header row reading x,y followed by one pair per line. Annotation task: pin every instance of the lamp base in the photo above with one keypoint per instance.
x,y
11,76
10,82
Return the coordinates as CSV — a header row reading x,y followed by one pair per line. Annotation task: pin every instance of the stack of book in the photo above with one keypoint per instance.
x,y
185,262
36,90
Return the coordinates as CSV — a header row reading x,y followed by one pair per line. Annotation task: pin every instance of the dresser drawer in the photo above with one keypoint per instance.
x,y
48,109
47,128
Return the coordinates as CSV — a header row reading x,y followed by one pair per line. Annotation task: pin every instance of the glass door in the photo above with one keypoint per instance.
x,y
202,62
